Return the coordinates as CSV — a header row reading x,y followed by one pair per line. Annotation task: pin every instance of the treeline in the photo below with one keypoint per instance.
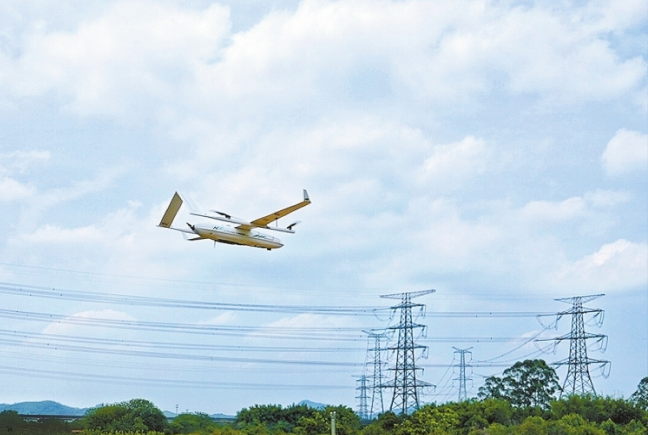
x,y
521,402
12,423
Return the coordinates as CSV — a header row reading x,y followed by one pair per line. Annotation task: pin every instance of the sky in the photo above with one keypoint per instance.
x,y
495,151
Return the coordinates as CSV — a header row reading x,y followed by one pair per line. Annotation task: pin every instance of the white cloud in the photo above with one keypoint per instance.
x,y
68,327
155,59
50,234
19,161
222,319
103,178
11,189
452,163
415,125
607,198
616,266
549,211
626,152
307,320
135,55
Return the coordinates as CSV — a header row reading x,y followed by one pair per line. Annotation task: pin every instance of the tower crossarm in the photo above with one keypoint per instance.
x,y
409,294
413,346
581,310
588,361
407,326
582,336
579,299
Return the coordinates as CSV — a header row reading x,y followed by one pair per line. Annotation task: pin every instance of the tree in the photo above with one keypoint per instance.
x,y
151,416
429,420
11,422
640,397
347,422
597,409
137,415
526,384
274,418
384,424
188,423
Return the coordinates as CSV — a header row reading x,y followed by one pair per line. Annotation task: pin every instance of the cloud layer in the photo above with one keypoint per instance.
x,y
480,148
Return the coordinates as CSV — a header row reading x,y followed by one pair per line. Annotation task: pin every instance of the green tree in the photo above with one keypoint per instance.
x,y
272,418
429,420
11,422
152,418
597,409
347,422
529,383
192,422
640,397
383,425
137,415
478,415
316,424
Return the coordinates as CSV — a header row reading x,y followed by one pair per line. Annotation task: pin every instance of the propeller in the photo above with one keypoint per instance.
x,y
290,227
228,216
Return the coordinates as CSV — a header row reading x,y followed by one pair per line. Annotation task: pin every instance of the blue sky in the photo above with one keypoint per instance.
x,y
494,151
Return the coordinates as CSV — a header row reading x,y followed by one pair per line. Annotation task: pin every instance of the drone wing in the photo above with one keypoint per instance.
x,y
263,222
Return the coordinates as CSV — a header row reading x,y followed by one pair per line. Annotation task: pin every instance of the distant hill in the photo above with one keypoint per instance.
x,y
312,404
46,407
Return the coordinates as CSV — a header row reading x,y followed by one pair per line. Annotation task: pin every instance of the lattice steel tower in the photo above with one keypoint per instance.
x,y
362,407
463,395
406,386
578,380
374,354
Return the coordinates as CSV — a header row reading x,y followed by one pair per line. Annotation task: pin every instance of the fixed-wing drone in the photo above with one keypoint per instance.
x,y
243,233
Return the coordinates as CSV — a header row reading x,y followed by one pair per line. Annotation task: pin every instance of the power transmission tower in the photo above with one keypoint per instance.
x,y
406,386
374,354
578,380
362,407
463,395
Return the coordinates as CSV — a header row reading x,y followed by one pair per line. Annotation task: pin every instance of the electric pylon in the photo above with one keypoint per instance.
x,y
405,397
463,395
362,407
374,354
578,380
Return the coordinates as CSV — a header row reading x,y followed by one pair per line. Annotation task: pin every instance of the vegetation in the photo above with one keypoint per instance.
x,y
640,397
12,423
137,415
522,402
530,383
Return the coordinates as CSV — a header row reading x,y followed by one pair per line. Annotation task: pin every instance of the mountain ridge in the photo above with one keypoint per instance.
x,y
44,407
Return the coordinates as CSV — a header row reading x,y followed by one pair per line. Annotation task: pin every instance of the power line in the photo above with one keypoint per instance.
x,y
350,334
167,355
314,333
115,298
170,345
84,377
133,300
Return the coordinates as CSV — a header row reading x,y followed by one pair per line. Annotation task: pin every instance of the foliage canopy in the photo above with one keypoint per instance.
x,y
526,384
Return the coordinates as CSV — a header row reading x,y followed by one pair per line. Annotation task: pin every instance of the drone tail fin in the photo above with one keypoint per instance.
x,y
171,211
